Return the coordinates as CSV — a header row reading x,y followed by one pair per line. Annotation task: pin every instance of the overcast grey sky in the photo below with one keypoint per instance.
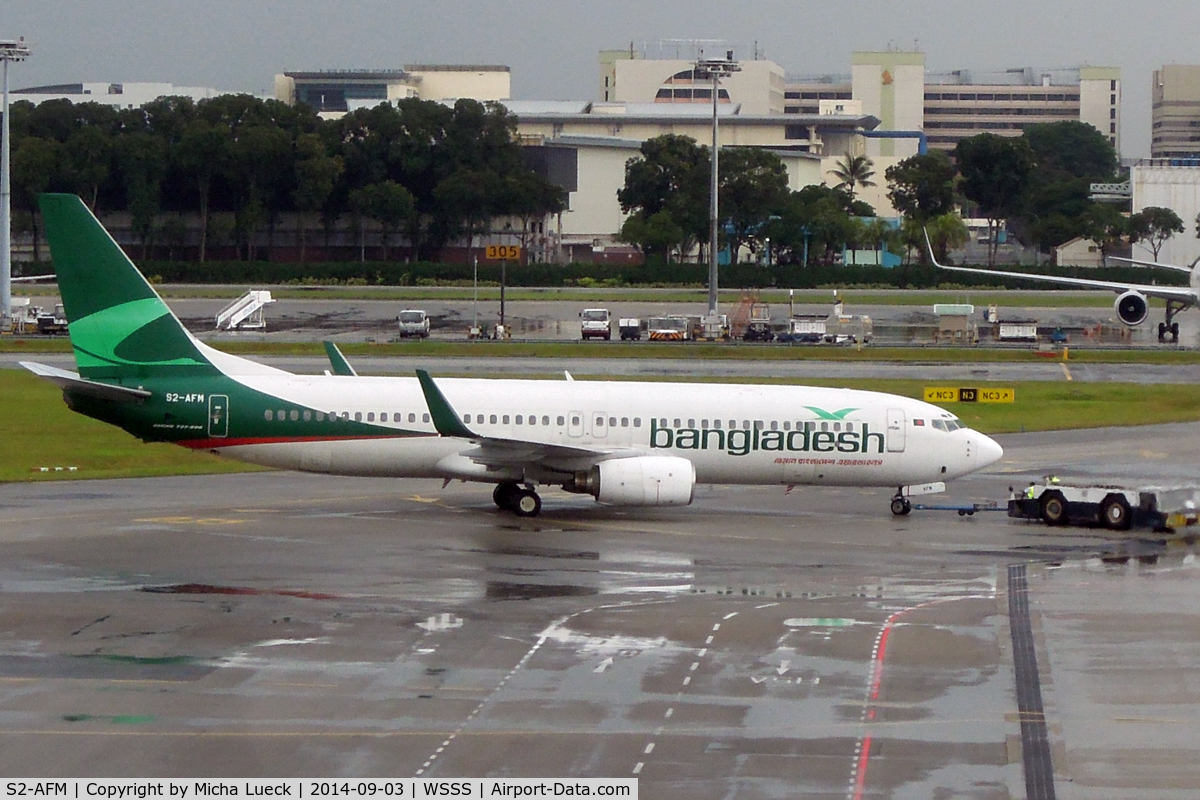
x,y
552,45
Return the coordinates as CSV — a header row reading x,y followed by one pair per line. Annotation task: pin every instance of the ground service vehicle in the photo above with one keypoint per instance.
x,y
1114,507
52,322
595,323
759,327
669,329
413,322
630,328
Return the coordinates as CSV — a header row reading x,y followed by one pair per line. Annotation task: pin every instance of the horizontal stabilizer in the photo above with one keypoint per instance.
x,y
70,381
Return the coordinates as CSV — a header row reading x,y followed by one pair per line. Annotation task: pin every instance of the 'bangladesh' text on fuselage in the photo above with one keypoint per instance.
x,y
741,441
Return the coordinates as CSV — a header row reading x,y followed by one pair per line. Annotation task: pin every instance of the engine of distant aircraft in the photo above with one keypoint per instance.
x,y
1132,308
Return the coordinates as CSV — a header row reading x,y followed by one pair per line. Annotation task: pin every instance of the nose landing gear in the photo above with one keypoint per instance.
x,y
900,505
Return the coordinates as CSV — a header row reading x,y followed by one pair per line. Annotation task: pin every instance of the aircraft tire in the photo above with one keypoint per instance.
x,y
526,503
1115,513
505,495
900,506
1175,332
1053,508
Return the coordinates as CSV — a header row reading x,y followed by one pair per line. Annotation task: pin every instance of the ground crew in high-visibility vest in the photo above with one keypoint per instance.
x,y
1031,492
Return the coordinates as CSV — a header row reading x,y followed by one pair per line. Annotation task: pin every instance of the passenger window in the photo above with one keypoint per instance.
x,y
624,422
281,415
320,416
637,422
837,426
717,424
505,419
787,426
561,420
849,426
824,426
294,415
424,418
612,422
677,421
492,419
358,416
746,424
370,416
691,423
412,417
662,423
268,416
307,416
345,416
599,422
519,419
758,424
774,425
546,420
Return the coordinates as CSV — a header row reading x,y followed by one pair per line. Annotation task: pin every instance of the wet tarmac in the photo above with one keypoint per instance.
x,y
757,644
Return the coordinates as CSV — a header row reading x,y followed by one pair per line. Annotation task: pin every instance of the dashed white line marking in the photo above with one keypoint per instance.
x,y
687,680
638,767
708,640
730,615
667,715
703,652
692,668
717,627
765,605
649,749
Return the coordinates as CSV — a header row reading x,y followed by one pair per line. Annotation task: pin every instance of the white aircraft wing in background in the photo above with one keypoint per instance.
x,y
1130,305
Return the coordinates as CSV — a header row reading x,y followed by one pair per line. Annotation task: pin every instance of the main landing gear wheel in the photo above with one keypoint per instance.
x,y
1175,332
505,495
901,506
527,503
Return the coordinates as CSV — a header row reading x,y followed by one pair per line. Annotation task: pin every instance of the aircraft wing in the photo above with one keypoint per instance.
x,y
506,452
1141,263
1181,293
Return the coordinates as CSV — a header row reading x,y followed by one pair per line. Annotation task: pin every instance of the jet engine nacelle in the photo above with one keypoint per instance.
x,y
1132,308
641,481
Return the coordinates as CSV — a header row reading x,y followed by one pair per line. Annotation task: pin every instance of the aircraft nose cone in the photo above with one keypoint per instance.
x,y
989,451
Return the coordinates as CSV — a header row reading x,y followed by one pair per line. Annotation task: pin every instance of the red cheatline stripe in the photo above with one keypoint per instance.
x,y
210,444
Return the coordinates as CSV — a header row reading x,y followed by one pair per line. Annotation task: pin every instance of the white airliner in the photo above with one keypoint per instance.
x,y
624,443
1130,305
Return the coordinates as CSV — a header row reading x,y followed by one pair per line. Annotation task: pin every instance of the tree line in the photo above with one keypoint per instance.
x,y
431,172
1036,185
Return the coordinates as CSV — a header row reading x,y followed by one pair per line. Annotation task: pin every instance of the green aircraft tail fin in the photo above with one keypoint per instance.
x,y
120,328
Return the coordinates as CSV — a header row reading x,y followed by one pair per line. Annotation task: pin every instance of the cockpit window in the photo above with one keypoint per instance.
x,y
939,424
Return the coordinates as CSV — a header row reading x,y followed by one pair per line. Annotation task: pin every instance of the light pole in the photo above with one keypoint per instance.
x,y
10,50
714,69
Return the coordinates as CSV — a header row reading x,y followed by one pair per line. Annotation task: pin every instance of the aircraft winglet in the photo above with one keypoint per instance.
x,y
445,419
338,361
